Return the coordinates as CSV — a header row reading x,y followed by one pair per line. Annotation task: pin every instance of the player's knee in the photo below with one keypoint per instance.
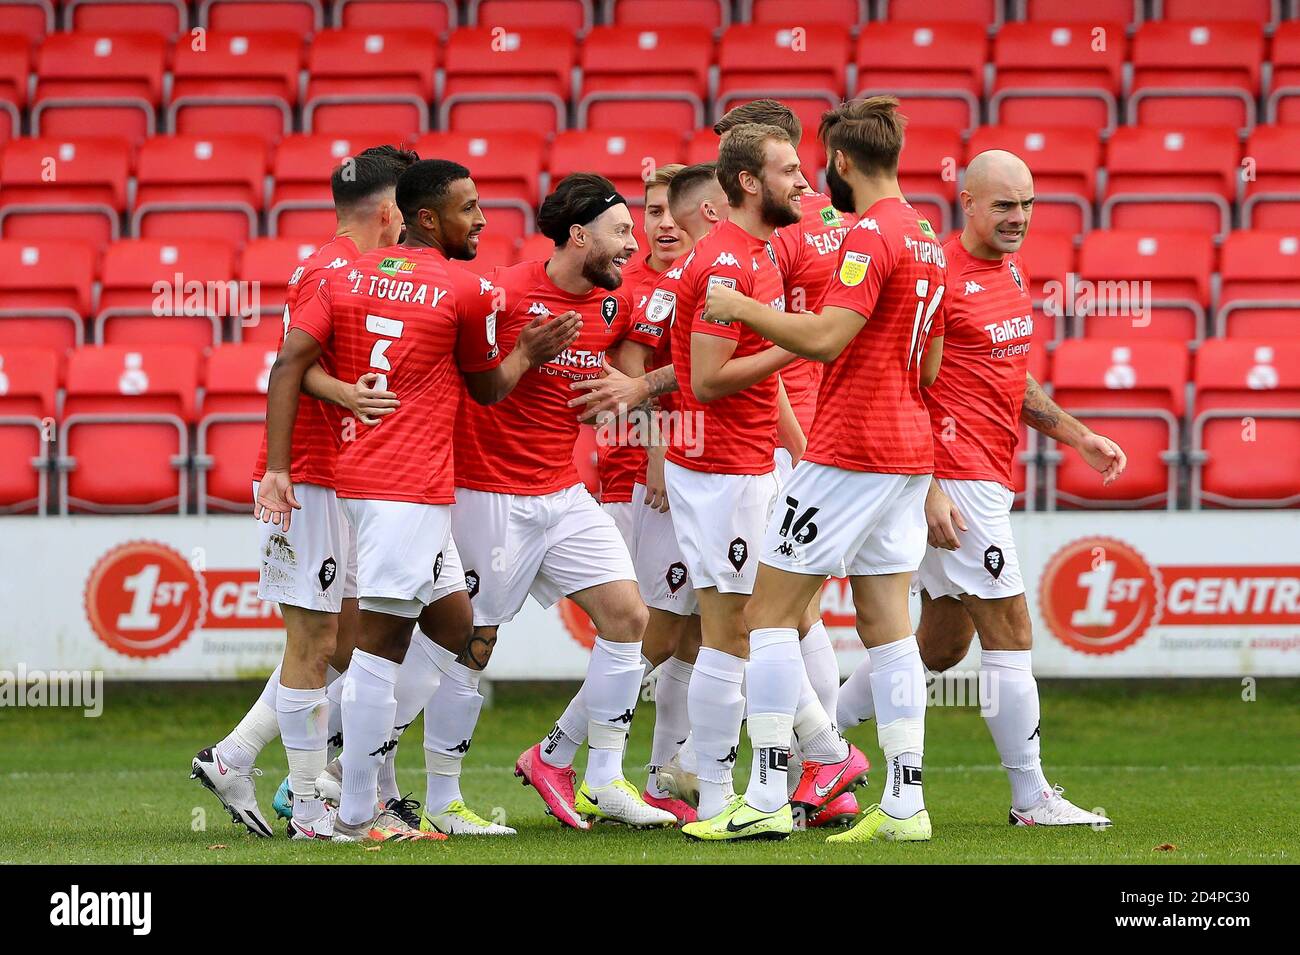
x,y
632,622
939,656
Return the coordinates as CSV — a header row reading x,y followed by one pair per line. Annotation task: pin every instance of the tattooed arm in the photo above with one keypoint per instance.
x,y
1043,414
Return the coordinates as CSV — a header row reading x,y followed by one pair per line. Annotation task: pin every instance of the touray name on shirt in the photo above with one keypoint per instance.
x,y
400,290
928,253
1006,331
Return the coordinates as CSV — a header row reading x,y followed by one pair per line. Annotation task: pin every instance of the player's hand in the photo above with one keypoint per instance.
x,y
543,340
612,393
1103,455
368,405
943,519
275,499
656,488
724,304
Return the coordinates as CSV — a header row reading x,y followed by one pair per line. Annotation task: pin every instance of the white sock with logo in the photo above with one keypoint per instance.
x,y
672,720
610,692
259,726
369,705
898,686
716,709
334,693
303,718
1012,714
856,704
814,728
773,677
417,681
822,665
449,724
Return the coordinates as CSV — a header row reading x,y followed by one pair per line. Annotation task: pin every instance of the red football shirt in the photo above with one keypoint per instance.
x,y
524,444
975,402
870,414
807,253
317,427
735,434
617,464
418,321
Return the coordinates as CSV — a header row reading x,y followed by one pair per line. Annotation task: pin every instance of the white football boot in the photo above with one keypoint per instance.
x,y
459,820
234,788
1055,810
322,828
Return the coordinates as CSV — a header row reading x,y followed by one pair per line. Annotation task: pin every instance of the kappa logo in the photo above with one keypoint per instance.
x,y
471,583
387,748
625,718
994,561
354,276
484,286
738,553
462,747
609,310
725,258
1038,731
869,224
337,264
328,571
537,308
753,265
437,567
973,287
676,576
1015,275
729,759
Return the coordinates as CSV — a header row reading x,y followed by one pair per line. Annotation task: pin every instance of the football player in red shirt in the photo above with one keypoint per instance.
x,y
970,578
523,519
305,567
857,498
395,311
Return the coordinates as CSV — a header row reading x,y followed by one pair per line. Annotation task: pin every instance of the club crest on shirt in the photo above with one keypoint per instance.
x,y
609,310
853,268
1015,274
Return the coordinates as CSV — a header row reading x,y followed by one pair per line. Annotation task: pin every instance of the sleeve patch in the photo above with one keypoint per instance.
x,y
853,268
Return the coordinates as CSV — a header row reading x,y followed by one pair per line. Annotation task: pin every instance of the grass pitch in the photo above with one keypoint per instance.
x,y
1187,765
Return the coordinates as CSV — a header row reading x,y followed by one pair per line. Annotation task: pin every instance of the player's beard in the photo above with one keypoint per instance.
x,y
776,213
600,271
841,192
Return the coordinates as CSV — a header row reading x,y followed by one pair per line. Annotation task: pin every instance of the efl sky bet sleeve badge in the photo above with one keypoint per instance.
x,y
661,306
719,280
853,268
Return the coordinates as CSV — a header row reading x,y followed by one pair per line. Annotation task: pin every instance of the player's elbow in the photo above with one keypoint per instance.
x,y
705,389
484,390
824,349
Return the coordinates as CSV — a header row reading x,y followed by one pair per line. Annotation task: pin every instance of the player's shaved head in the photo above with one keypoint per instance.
x,y
696,200
766,112
997,199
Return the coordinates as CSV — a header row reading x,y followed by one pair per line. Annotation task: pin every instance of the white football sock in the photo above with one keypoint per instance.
x,y
716,708
259,726
334,693
856,705
822,665
449,724
369,704
1012,714
686,756
814,728
610,692
303,717
417,681
898,687
573,721
773,677
672,721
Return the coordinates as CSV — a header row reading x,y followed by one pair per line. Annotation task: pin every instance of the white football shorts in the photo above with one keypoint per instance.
x,y
660,568
398,543
986,564
313,565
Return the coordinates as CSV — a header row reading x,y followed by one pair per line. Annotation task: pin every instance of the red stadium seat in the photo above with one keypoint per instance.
x,y
1181,178
506,168
15,67
91,84
1283,103
1049,258
714,14
1271,178
369,82
801,66
301,205
499,79
164,18
983,12
193,185
29,379
53,188
166,292
1246,431
435,16
266,267
622,157
645,78
127,404
1052,74
230,428
300,17
1178,266
1259,293
1200,11
45,289
1134,393
789,12
935,68
236,84
575,16
1071,11
1064,163
1196,74
927,173
30,19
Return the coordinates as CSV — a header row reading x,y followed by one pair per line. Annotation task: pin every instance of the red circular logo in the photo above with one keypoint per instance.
x,y
143,599
1099,595
578,623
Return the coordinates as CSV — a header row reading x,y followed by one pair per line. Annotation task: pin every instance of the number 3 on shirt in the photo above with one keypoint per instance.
x,y
389,329
924,319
